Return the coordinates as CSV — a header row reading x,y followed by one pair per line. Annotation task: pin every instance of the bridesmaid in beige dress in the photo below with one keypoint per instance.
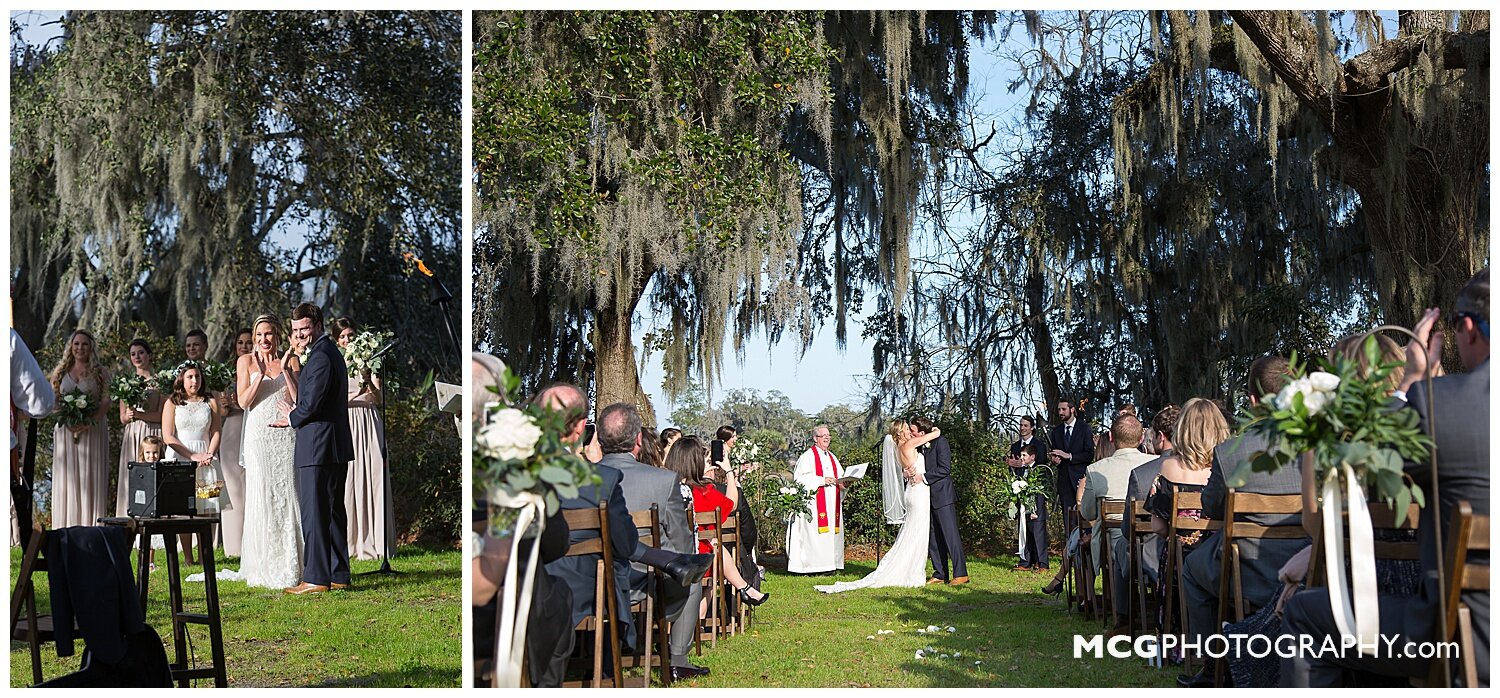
x,y
372,519
232,518
80,469
139,423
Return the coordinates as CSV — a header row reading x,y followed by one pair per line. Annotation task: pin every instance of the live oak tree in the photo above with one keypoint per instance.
x,y
198,168
740,171
1400,123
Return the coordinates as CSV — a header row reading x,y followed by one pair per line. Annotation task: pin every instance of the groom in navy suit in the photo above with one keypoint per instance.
x,y
943,543
324,449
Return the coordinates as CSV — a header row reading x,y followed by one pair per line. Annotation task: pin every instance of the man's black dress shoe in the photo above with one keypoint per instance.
x,y
686,570
1203,679
1021,566
680,673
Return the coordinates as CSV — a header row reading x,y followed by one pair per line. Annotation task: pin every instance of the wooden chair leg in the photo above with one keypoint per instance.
x,y
1466,646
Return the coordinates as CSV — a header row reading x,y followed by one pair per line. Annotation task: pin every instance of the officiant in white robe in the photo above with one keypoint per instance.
x,y
815,543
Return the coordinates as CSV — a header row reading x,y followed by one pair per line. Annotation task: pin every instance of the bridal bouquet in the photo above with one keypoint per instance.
x,y
129,389
790,500
75,409
360,353
1023,491
519,455
1346,422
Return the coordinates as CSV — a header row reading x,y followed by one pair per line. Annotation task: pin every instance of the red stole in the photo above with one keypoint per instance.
x,y
823,494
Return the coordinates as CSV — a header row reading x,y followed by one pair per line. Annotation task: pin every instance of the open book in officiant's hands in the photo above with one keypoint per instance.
x,y
854,472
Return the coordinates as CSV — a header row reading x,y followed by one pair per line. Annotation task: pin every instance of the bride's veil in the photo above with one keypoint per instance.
x,y
892,482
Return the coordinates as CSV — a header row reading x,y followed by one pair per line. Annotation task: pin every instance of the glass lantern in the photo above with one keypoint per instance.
x,y
208,483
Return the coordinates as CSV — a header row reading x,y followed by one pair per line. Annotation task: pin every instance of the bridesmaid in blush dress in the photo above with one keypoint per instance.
x,y
232,518
372,519
140,421
80,454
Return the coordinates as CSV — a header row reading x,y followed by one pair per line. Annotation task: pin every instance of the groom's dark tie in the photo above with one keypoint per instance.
x,y
1067,434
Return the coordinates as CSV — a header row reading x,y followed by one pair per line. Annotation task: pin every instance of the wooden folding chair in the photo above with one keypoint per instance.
x,y
1382,517
1112,511
34,629
652,624
1171,567
1140,606
1231,579
606,614
706,524
1082,572
1468,534
734,609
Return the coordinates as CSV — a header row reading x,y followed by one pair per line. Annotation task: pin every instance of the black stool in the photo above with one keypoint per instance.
x,y
169,528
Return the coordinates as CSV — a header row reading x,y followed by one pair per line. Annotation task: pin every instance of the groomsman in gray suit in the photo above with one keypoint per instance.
x,y
1460,424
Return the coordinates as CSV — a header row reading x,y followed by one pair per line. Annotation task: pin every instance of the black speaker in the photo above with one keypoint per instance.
x,y
163,488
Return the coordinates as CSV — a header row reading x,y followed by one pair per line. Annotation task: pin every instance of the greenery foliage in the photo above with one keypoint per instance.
x,y
519,451
1342,419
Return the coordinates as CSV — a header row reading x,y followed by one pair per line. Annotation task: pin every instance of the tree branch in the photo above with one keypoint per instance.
x,y
1291,52
1368,70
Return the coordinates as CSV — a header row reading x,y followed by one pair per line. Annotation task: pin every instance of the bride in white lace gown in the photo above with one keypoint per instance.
x,y
271,549
905,564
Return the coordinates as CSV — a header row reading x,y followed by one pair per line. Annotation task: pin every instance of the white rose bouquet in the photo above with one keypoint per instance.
x,y
218,376
788,501
359,355
162,380
518,452
1022,491
76,408
130,389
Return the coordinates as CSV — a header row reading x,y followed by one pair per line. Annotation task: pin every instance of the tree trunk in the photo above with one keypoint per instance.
x,y
1041,336
615,377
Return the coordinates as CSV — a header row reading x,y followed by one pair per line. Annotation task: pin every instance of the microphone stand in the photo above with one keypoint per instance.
x,y
385,457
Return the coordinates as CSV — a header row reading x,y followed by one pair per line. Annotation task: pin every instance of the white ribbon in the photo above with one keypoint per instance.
x,y
515,608
1021,531
1361,619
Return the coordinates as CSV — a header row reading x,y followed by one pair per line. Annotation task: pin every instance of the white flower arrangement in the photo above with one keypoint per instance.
x,y
1317,390
510,435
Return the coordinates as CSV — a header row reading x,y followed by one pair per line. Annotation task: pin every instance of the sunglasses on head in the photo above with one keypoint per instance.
x,y
1479,322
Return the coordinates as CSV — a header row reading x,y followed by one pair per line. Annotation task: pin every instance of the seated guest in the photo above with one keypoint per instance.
x,y
1260,560
1459,423
1141,479
669,436
727,436
690,460
1199,429
650,453
1109,478
578,571
621,440
549,638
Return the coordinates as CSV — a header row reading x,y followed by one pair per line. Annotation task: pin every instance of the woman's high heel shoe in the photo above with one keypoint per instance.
x,y
744,596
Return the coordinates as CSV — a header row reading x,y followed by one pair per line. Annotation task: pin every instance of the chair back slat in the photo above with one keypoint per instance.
x,y
583,520
1252,503
1189,500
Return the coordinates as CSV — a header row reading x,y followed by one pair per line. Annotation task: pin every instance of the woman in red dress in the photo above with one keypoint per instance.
x,y
689,459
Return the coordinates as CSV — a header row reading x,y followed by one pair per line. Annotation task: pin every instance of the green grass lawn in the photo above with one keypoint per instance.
x,y
384,631
1018,636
